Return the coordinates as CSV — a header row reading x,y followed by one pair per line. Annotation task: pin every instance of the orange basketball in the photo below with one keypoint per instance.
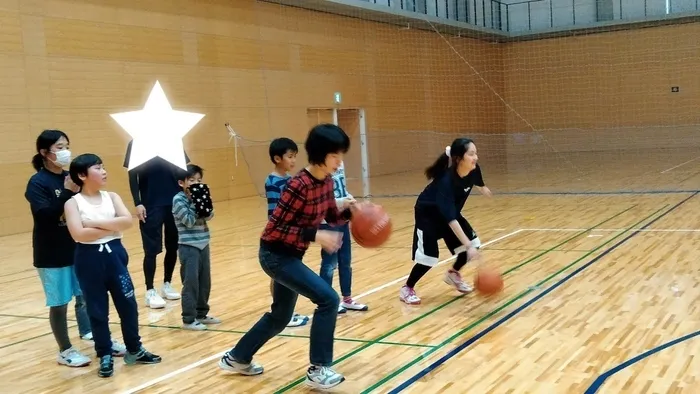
x,y
488,281
370,225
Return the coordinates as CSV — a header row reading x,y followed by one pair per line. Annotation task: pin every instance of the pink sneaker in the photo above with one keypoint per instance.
x,y
408,295
454,279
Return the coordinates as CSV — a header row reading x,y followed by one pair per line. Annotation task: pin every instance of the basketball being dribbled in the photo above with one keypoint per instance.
x,y
488,281
370,225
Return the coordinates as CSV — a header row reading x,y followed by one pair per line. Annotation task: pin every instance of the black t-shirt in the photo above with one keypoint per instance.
x,y
53,245
153,183
448,193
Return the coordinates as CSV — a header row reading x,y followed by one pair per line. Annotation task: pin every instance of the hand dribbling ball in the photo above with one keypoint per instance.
x,y
370,225
488,281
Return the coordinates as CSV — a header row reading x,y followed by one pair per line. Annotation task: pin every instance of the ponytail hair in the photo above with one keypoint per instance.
x,y
44,142
452,155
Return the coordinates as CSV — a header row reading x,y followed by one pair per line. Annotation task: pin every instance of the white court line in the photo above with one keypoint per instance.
x,y
173,373
680,165
650,230
395,281
215,356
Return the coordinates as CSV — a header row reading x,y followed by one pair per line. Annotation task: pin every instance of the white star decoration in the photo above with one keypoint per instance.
x,y
157,130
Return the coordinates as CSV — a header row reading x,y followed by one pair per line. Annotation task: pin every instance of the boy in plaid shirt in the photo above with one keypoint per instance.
x,y
307,200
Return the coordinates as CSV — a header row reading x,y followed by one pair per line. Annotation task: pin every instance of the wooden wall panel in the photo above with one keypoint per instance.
x,y
69,64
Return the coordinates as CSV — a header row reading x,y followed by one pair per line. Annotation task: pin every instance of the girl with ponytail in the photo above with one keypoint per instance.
x,y
47,192
438,216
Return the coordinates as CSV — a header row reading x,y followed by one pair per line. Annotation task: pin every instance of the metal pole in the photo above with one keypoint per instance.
x,y
551,14
507,18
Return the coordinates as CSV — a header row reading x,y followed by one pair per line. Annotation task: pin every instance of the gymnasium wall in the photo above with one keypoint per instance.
x,y
609,91
69,64
260,66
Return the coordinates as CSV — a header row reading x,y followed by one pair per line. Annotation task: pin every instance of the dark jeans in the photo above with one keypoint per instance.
x,y
340,259
292,278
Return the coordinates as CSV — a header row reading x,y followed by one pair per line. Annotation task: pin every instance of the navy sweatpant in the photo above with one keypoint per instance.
x,y
101,269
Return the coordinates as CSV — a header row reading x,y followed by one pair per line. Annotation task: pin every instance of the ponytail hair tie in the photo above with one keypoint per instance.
x,y
447,151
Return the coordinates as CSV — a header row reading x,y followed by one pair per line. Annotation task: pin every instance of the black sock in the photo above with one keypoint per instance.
x,y
58,318
460,262
149,270
416,273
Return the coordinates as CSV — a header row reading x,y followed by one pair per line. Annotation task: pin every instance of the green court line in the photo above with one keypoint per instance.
x,y
420,345
299,336
30,339
445,304
499,309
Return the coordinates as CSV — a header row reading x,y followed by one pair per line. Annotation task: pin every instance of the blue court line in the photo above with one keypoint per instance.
x,y
601,379
524,306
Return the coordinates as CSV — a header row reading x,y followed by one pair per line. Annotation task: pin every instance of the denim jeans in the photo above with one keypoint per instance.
x,y
81,315
292,278
340,259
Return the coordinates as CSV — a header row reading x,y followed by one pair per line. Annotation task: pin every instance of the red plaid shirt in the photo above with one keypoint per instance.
x,y
302,206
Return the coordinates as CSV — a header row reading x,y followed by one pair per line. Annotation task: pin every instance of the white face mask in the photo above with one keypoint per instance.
x,y
63,158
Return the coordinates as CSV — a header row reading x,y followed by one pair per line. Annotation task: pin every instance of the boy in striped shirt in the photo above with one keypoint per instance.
x,y
195,266
283,153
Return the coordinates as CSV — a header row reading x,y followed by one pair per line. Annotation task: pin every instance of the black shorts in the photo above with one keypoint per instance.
x,y
428,230
158,218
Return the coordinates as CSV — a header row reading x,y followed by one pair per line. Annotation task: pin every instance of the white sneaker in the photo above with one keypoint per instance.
x,y
227,363
87,337
118,349
298,320
72,358
169,292
210,320
454,279
153,300
354,306
323,377
194,326
409,296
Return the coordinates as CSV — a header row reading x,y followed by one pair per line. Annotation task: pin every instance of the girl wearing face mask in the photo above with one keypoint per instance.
x,y
47,192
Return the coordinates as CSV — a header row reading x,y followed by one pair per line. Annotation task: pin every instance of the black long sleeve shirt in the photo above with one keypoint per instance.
x,y
53,245
447,194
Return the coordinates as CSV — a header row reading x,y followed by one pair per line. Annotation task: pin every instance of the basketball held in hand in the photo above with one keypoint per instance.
x,y
370,225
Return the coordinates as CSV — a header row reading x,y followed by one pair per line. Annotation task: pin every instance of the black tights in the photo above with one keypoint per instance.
x,y
149,267
58,318
419,270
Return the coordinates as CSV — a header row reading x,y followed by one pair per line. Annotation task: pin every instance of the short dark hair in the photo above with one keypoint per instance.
x,y
192,170
325,139
80,166
280,147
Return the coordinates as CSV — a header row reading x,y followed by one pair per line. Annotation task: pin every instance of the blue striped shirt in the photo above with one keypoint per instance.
x,y
274,184
190,230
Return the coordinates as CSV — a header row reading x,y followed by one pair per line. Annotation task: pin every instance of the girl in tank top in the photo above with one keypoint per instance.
x,y
96,219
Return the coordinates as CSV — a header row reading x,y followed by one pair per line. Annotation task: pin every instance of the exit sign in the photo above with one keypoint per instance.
x,y
337,97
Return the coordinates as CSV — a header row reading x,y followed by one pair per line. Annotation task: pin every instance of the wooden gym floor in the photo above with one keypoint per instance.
x,y
597,286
